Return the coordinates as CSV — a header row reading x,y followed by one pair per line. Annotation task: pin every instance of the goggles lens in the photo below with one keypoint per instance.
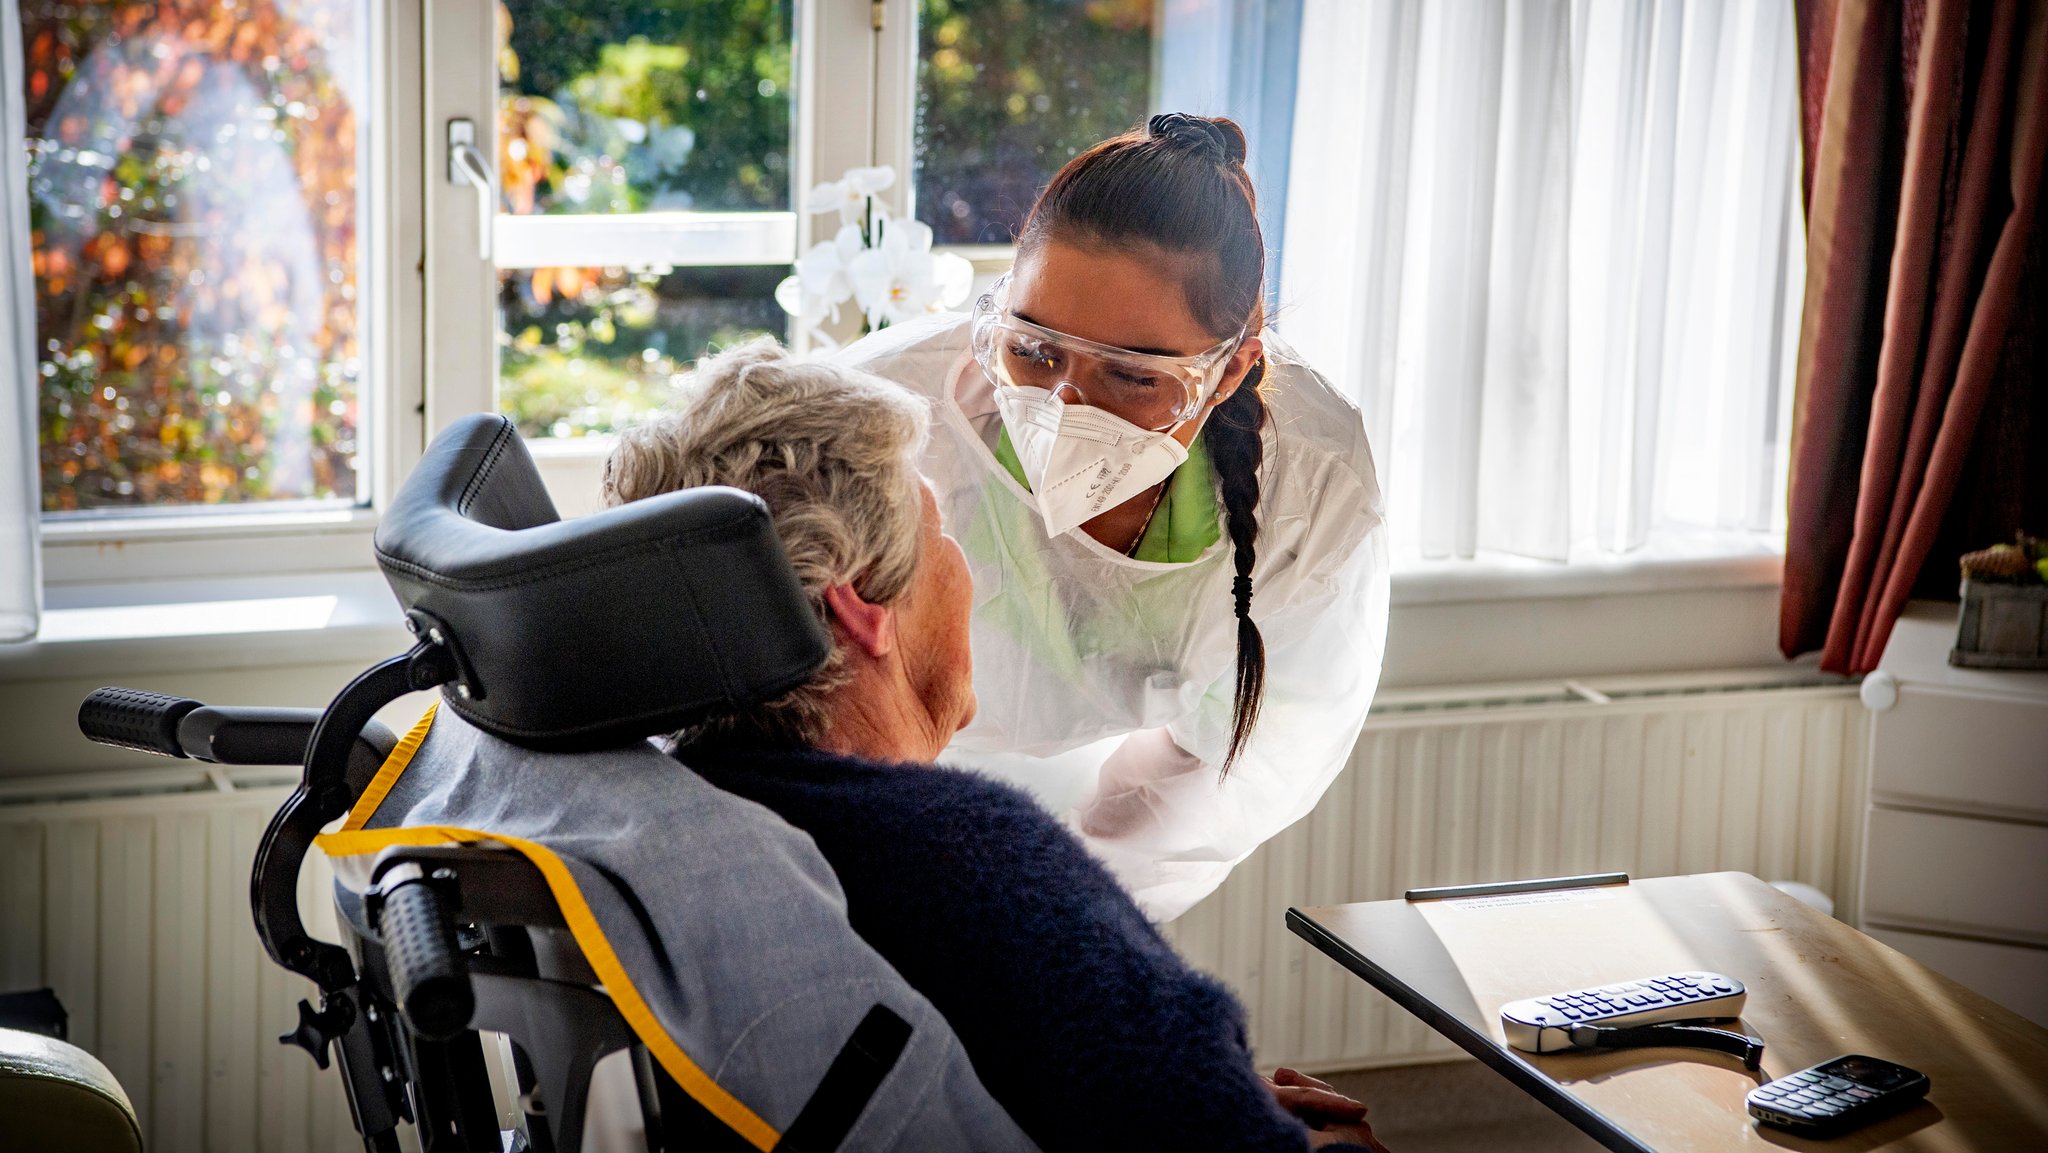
x,y
1152,392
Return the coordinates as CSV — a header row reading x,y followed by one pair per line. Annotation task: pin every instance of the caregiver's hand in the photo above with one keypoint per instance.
x,y
1332,1118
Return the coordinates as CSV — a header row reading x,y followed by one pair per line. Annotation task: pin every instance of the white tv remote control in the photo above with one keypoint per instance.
x,y
1542,1024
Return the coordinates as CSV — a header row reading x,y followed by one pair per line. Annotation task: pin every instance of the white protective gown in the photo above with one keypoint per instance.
x,y
1104,683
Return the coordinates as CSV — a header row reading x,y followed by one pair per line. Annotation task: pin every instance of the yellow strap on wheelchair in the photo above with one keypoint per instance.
x,y
354,840
388,773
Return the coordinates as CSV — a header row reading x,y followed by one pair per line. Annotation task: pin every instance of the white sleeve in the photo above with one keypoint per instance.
x,y
1162,818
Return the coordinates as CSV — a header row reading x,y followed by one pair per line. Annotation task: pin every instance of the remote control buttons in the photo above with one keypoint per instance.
x,y
1540,1024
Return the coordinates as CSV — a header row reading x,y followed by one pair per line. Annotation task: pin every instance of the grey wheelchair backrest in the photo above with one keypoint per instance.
x,y
727,922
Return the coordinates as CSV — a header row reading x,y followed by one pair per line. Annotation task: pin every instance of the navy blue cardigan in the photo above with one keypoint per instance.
x,y
1078,1016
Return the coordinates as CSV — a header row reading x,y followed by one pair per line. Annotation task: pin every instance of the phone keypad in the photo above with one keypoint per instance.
x,y
1812,1094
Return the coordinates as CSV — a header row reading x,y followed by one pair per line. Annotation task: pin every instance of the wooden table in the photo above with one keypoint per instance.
x,y
1817,989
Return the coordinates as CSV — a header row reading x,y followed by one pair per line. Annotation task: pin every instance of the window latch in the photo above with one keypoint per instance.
x,y
468,168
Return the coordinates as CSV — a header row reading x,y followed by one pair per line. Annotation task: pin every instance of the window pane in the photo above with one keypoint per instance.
x,y
1008,91
587,350
195,218
665,106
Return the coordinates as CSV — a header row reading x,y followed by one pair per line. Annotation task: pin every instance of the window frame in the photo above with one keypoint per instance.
x,y
865,57
838,56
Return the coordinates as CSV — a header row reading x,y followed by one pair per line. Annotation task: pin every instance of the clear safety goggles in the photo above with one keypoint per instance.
x,y
1151,391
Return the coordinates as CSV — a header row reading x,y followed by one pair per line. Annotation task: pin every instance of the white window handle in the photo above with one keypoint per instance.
x,y
467,166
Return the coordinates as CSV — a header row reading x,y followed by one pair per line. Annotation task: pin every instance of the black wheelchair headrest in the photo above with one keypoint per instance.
x,y
597,631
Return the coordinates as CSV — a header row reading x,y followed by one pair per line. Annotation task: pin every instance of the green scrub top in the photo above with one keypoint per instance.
x,y
1187,521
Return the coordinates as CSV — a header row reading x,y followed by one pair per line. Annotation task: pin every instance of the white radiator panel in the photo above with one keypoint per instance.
x,y
136,911
1766,782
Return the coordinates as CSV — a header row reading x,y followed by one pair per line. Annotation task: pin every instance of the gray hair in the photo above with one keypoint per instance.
x,y
832,450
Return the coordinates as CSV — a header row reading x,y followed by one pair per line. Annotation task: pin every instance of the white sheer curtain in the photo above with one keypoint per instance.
x,y
1545,246
20,559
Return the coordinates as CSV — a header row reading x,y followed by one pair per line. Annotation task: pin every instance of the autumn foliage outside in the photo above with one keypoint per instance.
x,y
195,224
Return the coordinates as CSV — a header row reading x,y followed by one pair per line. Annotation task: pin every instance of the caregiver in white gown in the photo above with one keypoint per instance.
x,y
1173,524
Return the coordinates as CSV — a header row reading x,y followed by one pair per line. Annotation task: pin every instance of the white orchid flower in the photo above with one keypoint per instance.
x,y
895,281
850,193
886,266
953,278
821,275
789,293
807,310
825,197
868,181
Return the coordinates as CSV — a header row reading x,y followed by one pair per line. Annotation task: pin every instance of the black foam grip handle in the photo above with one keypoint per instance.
x,y
134,719
427,973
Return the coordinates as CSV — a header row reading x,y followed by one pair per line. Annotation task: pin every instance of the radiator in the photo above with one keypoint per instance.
x,y
1651,778
135,908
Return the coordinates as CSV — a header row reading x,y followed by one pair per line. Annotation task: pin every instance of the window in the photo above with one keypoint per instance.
x,y
1553,253
645,163
206,206
198,227
262,282
1010,90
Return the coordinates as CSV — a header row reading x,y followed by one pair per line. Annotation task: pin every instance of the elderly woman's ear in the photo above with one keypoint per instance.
x,y
869,627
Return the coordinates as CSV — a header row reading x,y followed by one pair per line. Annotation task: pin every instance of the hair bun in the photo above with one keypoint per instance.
x,y
1219,139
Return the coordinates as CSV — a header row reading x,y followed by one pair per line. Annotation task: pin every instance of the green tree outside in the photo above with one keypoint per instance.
x,y
1010,90
671,106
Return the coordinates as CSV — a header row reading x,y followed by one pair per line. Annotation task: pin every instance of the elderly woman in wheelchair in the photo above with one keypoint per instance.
x,y
1079,1018
525,864
796,933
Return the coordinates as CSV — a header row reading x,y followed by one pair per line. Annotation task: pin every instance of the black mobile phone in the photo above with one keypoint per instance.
x,y
1837,1095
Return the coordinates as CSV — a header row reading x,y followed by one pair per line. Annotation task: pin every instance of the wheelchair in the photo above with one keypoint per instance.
x,y
451,937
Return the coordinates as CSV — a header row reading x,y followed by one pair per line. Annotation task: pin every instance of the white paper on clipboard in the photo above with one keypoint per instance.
x,y
1546,897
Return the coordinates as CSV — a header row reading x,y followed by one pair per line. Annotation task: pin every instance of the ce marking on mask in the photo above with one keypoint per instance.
x,y
1105,484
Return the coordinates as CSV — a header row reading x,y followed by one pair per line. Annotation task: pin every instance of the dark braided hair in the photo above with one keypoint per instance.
x,y
1179,188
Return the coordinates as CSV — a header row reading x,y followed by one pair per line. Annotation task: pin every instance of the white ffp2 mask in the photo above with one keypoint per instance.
x,y
1082,461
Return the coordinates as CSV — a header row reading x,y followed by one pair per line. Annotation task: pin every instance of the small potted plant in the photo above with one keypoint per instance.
x,y
2004,621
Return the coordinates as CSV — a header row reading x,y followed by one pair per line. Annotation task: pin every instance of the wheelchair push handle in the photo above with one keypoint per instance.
x,y
428,975
220,734
135,719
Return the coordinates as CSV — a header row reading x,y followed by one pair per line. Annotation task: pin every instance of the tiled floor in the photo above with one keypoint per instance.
x,y
1461,1107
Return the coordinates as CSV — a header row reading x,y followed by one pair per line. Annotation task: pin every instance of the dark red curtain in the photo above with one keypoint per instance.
x,y
1921,418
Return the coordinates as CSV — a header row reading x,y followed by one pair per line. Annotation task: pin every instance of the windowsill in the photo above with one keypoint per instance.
x,y
142,552
201,523
136,555
296,638
205,621
210,623
595,446
1673,563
